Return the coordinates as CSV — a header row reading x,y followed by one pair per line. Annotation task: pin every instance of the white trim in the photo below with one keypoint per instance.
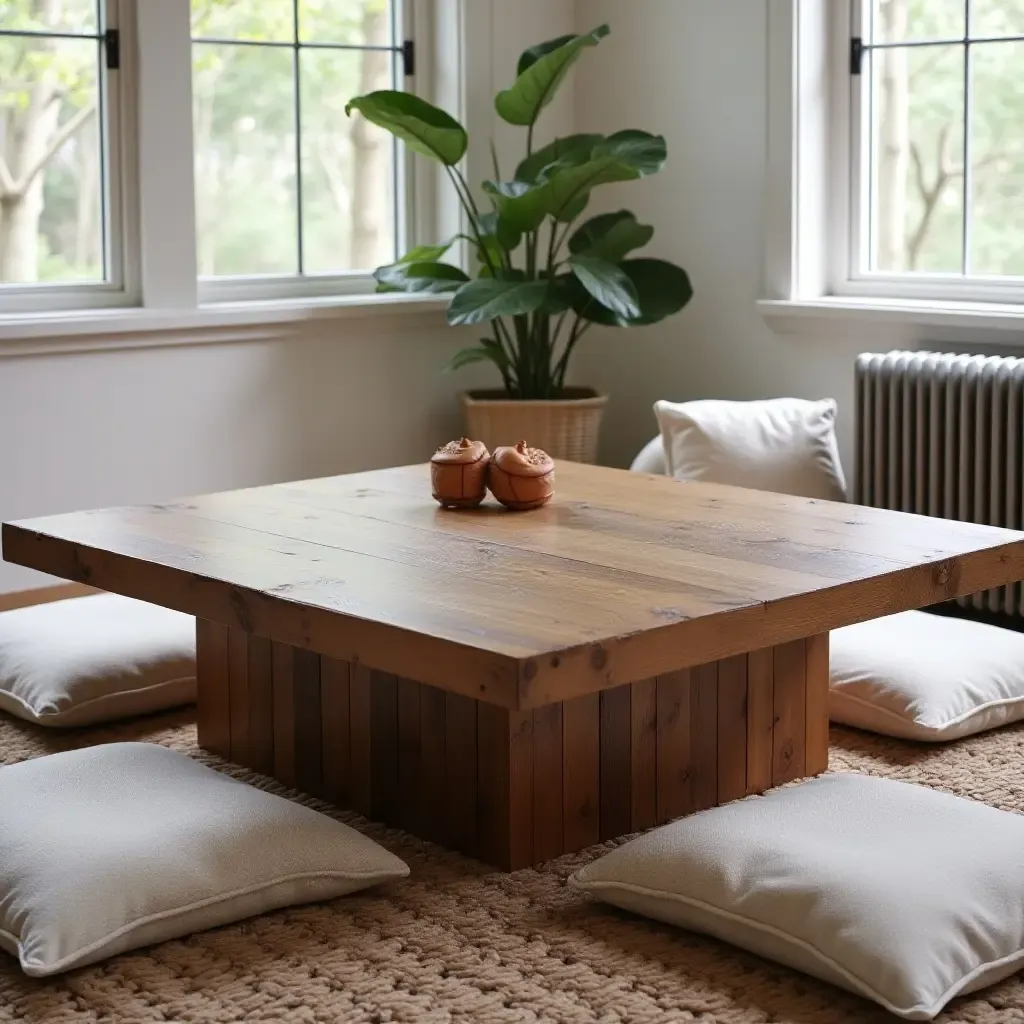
x,y
94,331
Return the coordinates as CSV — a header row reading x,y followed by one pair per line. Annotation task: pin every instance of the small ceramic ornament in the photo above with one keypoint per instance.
x,y
521,477
458,473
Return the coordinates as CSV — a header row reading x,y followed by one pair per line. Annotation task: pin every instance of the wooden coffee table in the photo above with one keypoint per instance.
x,y
519,685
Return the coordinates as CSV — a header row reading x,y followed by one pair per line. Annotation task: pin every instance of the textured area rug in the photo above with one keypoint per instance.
x,y
458,942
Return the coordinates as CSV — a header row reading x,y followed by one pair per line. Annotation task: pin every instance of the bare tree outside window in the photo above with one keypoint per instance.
x,y
285,183
946,136
51,180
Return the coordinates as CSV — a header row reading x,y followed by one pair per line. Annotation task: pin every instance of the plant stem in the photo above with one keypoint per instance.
x,y
575,334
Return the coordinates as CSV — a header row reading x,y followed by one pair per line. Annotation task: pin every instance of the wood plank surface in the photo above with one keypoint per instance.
x,y
410,806
213,705
644,754
360,740
261,706
335,729
238,686
521,787
581,772
283,670
704,736
789,686
433,764
616,763
547,782
461,771
760,718
384,802
674,752
732,728
308,727
619,579
817,683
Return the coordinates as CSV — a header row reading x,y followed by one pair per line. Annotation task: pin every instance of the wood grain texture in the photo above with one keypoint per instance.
x,y
674,753
238,687
621,578
616,765
261,706
760,718
410,806
704,736
644,755
213,705
283,670
547,782
308,726
433,764
360,740
461,771
521,788
581,772
788,737
384,802
335,729
492,785
817,683
732,728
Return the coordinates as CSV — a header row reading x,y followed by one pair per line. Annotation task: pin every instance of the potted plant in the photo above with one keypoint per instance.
x,y
542,278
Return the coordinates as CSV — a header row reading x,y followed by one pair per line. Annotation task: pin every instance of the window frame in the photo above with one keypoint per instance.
x,y
118,187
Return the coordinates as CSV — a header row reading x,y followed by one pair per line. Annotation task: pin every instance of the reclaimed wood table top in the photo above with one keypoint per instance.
x,y
621,578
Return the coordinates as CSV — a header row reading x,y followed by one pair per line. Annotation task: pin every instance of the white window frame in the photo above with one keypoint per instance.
x,y
812,220
120,235
157,278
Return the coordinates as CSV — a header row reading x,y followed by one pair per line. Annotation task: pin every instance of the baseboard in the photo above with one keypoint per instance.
x,y
43,595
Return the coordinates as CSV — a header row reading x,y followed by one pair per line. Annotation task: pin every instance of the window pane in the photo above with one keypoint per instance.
x,y
348,182
895,21
65,16
997,159
244,128
917,156
352,22
260,20
51,210
997,17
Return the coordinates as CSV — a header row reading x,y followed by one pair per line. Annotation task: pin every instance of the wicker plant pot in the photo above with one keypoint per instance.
x,y
566,428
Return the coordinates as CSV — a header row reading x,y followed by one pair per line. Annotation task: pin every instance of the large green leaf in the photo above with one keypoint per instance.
x,y
646,152
420,125
493,226
534,53
610,236
428,278
488,351
532,168
489,299
541,76
661,287
608,284
427,253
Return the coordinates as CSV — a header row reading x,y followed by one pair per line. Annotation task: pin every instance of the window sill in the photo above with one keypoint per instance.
x,y
100,330
897,320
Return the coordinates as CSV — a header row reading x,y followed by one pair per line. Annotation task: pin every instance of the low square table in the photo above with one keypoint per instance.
x,y
519,685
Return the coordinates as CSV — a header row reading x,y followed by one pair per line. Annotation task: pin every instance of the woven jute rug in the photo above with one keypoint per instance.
x,y
459,942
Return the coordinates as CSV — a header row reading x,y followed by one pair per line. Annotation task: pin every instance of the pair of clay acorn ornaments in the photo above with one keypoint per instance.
x,y
520,477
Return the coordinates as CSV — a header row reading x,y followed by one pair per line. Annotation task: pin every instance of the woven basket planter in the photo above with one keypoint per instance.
x,y
566,428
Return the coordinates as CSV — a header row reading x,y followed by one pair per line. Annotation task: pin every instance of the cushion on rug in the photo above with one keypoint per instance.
x,y
122,845
93,659
898,892
926,677
786,445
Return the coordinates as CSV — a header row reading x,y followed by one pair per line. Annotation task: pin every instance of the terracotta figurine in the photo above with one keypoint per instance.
x,y
521,477
458,473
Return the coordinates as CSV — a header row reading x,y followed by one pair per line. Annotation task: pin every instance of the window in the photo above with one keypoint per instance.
x,y
286,184
60,203
171,153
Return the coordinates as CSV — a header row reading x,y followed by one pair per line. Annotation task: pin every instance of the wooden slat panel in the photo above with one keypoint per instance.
x,y
616,768
384,755
644,754
335,729
360,740
581,772
520,784
238,684
410,808
817,704
261,705
732,728
492,783
704,736
308,729
674,776
547,782
284,713
760,718
790,688
213,712
461,765
433,764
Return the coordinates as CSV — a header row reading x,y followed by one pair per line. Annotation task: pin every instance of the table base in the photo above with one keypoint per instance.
x,y
514,788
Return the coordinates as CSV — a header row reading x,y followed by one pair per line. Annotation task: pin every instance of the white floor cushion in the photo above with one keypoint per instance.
x,y
651,458
114,847
900,893
786,445
93,659
926,677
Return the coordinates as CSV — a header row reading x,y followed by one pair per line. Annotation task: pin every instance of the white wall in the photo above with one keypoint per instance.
x,y
695,70
106,428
